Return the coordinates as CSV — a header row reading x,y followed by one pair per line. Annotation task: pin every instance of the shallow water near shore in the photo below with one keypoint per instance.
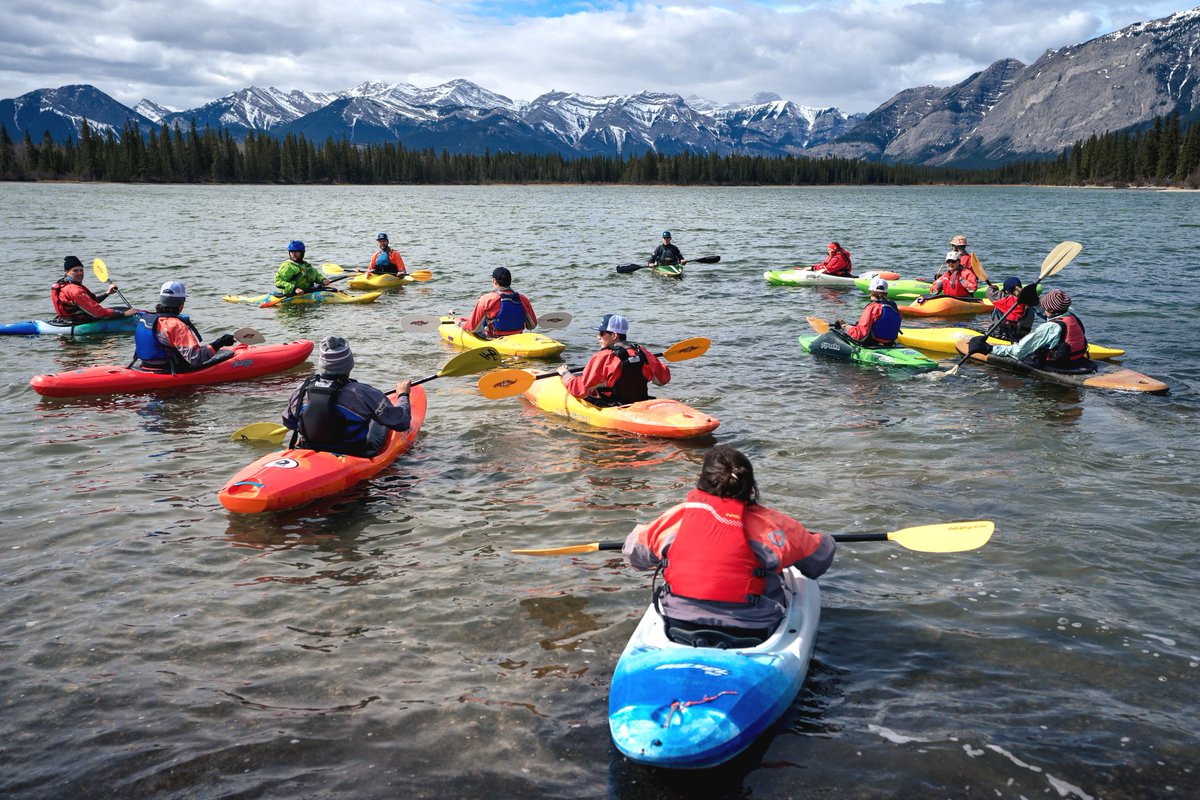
x,y
386,642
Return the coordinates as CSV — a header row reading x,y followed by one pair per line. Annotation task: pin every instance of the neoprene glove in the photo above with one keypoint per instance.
x,y
978,344
1028,296
226,340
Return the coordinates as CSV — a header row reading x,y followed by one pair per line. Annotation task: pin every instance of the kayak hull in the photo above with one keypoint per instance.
x,y
381,282
527,344
683,707
943,306
39,327
662,417
1106,376
668,270
842,348
312,298
248,361
292,477
805,277
944,340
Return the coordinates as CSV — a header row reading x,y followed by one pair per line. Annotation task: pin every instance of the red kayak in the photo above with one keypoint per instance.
x,y
292,477
247,361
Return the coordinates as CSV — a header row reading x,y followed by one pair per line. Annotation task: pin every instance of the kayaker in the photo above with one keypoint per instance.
x,y
959,245
957,281
297,276
331,411
836,263
1015,318
726,554
502,311
387,261
666,253
1059,343
620,372
163,342
75,303
879,324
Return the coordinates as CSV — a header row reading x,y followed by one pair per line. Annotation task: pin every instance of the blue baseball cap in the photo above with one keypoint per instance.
x,y
666,235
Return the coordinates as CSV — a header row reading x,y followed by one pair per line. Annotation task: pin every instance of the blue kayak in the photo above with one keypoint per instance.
x,y
681,707
39,327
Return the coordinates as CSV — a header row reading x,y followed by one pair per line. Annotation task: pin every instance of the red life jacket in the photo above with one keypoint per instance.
x,y
710,558
952,284
64,308
1073,349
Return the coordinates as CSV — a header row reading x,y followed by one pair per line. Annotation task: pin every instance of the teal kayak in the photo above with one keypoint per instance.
x,y
841,347
39,327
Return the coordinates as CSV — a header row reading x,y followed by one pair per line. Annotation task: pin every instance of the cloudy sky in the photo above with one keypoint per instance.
x,y
853,54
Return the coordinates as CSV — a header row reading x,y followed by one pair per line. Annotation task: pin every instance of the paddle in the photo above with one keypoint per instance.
x,y
330,268
819,325
274,301
249,336
1054,262
625,269
946,537
464,363
100,269
419,323
511,382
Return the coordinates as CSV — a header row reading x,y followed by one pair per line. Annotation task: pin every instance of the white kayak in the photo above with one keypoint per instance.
x,y
681,707
805,277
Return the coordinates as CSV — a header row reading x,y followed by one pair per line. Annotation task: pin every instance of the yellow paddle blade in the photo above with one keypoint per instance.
x,y
470,362
688,348
978,269
505,383
561,551
330,268
819,325
421,275
947,537
260,432
100,269
1058,258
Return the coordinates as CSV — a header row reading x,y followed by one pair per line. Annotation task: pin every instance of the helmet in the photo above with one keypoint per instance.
x,y
953,256
381,237
959,241
878,285
295,246
666,235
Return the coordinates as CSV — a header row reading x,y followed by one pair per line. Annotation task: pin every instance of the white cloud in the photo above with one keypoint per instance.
x,y
852,55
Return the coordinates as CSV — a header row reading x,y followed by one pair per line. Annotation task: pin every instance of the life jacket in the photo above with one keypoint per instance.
x,y
838,263
384,265
952,284
710,558
323,424
1015,316
154,355
1072,350
511,316
887,327
64,309
631,385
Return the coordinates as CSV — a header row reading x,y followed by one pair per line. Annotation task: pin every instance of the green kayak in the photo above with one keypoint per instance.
x,y
911,289
843,348
668,270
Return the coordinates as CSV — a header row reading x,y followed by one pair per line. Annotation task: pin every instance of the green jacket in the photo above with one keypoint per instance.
x,y
292,275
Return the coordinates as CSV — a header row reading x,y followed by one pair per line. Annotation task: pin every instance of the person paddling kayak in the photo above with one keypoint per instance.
x,y
387,261
1059,343
666,253
75,303
620,372
331,411
836,263
297,276
726,554
879,324
164,342
959,279
1015,318
502,311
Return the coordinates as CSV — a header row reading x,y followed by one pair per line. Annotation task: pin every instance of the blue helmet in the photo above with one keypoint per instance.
x,y
295,245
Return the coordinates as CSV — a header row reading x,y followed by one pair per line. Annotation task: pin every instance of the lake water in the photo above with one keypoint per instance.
x,y
386,643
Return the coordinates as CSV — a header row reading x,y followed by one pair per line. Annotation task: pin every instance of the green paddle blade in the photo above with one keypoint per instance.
x,y
271,432
100,269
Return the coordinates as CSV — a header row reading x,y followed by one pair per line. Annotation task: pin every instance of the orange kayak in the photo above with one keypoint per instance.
x,y
662,417
292,477
943,306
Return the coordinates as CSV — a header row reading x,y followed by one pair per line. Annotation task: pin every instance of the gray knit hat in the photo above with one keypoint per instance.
x,y
1055,302
334,356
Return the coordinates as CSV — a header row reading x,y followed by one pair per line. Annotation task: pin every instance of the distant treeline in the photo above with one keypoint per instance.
x,y
1160,155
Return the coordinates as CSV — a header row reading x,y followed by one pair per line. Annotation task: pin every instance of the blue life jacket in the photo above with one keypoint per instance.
x,y
511,316
154,355
325,425
887,327
384,265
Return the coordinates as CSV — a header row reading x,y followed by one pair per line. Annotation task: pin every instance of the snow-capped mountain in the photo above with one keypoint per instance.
x,y
153,111
61,112
252,109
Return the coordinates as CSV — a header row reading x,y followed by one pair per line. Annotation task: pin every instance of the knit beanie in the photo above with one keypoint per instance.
x,y
70,262
335,357
1055,302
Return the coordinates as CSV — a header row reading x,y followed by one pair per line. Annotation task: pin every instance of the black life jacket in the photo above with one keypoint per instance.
x,y
1072,351
321,424
632,385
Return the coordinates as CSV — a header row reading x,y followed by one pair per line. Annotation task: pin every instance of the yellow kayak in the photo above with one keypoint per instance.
x,y
661,417
381,281
335,298
943,340
527,344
